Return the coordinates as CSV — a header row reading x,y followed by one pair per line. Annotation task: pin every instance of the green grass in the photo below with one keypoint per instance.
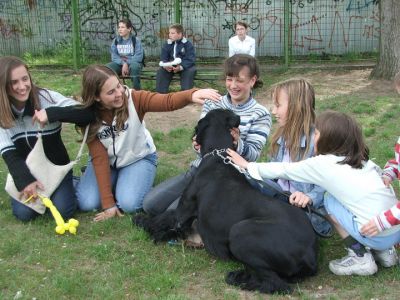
x,y
115,260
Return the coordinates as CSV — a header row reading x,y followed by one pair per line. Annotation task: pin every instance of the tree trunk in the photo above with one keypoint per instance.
x,y
389,47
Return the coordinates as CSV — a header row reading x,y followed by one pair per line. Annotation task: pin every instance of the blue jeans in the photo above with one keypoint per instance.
x,y
63,198
135,69
164,78
166,195
272,189
348,221
130,184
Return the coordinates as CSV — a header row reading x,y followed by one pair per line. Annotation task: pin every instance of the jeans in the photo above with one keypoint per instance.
x,y
135,69
348,221
130,184
163,79
63,198
166,195
272,189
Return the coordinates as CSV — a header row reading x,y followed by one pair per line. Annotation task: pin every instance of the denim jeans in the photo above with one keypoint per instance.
x,y
166,195
164,78
135,69
63,198
272,189
130,184
348,221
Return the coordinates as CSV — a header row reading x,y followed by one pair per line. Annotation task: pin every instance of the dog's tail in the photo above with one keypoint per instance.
x,y
161,227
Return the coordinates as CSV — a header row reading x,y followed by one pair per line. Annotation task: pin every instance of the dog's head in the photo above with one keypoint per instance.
x,y
213,131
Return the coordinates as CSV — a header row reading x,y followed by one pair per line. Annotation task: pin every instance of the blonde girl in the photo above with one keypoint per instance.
x,y
293,140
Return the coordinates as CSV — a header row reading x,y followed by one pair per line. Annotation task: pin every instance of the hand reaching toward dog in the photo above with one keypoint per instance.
x,y
235,132
108,214
237,159
201,95
299,199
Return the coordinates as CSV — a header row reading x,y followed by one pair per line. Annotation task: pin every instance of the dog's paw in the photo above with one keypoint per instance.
x,y
237,278
140,220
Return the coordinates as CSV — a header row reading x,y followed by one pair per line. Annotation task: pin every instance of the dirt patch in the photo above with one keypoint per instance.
x,y
327,83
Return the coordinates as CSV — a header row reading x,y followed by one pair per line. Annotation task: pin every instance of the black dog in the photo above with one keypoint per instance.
x,y
273,239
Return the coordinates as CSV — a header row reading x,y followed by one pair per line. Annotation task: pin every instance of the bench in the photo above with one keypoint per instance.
x,y
205,75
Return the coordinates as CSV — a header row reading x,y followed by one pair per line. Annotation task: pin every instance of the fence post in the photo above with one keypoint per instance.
x,y
286,9
76,37
178,12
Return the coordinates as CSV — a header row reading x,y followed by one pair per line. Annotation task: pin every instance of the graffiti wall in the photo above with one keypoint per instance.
x,y
316,26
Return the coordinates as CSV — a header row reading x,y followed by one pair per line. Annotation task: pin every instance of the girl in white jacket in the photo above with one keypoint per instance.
x,y
355,190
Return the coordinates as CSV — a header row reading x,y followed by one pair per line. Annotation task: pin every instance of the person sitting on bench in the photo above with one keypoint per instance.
x,y
177,56
127,53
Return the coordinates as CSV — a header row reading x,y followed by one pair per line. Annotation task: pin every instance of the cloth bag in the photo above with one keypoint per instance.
x,y
49,174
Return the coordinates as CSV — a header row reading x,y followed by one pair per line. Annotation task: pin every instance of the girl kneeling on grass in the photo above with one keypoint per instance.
x,y
123,157
355,190
23,106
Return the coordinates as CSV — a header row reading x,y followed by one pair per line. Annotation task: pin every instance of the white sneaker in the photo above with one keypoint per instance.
x,y
386,258
352,264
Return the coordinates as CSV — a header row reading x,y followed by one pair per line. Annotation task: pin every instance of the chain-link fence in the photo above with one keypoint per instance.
x,y
44,27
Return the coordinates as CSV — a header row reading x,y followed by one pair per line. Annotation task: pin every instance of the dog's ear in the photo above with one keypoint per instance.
x,y
233,121
199,129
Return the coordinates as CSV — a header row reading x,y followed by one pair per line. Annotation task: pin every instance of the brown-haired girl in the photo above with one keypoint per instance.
x,y
356,192
241,74
23,106
123,156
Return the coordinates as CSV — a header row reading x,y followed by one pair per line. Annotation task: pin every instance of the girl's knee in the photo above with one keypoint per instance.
x,y
88,198
130,205
87,201
67,208
23,212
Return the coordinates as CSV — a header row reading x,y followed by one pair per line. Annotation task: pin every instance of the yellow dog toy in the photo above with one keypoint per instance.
x,y
61,225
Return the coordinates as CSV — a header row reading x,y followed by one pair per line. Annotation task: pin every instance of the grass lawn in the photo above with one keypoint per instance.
x,y
115,260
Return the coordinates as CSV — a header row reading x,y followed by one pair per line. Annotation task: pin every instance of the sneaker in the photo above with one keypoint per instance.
x,y
386,258
352,264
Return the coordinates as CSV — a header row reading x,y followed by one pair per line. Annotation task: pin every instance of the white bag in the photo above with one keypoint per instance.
x,y
49,174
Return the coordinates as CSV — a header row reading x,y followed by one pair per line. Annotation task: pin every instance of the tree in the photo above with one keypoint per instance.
x,y
388,64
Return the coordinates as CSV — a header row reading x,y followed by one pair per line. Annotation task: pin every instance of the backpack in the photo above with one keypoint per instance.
x,y
134,45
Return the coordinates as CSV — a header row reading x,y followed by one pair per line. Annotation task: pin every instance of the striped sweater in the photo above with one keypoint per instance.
x,y
391,169
16,142
388,218
255,125
391,217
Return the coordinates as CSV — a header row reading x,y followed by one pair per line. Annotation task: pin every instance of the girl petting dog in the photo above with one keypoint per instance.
x,y
355,190
241,76
123,156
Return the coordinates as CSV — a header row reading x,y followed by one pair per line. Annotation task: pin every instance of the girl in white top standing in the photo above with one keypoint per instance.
x,y
355,190
241,43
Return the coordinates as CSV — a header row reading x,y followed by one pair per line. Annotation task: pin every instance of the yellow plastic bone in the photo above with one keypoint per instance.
x,y
61,225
